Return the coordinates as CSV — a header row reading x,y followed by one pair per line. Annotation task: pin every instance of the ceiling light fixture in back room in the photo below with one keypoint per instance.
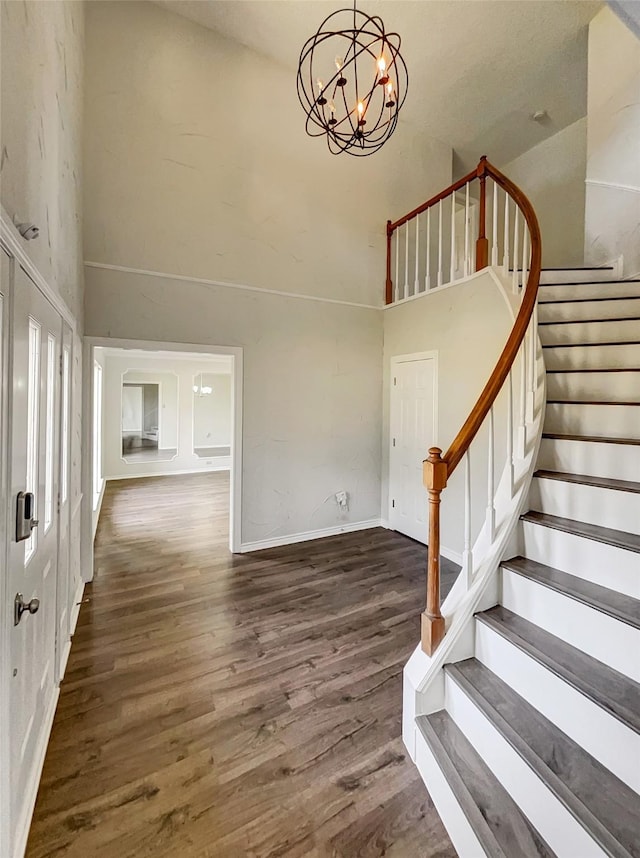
x,y
352,82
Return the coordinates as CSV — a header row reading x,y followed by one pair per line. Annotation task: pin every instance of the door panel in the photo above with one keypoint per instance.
x,y
413,431
34,466
64,594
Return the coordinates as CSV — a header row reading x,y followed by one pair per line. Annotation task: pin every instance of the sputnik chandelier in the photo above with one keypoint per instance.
x,y
352,82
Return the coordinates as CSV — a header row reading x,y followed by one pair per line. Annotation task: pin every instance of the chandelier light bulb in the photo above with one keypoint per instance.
x,y
339,63
321,98
390,102
382,69
332,109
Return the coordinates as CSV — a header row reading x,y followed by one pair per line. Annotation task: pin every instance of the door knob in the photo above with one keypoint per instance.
x,y
21,607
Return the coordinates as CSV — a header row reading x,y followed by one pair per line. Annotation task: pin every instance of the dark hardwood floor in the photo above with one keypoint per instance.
x,y
232,706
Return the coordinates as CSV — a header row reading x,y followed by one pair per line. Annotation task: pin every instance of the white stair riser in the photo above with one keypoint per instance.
x,y
458,827
621,386
614,289
604,737
612,421
611,641
618,461
576,275
615,331
592,504
556,825
594,561
623,356
574,311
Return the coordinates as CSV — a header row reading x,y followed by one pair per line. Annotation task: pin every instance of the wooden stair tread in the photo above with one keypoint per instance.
x,y
593,300
500,826
607,535
607,688
589,321
611,602
607,369
586,480
603,804
589,402
634,442
584,345
593,282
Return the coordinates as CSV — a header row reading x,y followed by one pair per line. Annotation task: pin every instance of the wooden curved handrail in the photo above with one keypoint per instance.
x,y
438,468
474,421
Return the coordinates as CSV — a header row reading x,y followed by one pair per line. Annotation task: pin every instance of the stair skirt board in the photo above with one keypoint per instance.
x,y
563,309
578,418
586,628
589,559
556,825
459,829
594,458
621,384
619,510
594,356
598,732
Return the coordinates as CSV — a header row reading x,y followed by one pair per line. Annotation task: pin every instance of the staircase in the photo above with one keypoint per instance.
x,y
537,749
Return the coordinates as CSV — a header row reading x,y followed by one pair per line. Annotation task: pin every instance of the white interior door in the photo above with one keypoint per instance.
x,y
413,430
32,569
64,594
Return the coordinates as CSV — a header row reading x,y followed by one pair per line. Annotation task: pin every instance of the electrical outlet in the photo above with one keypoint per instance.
x,y
342,499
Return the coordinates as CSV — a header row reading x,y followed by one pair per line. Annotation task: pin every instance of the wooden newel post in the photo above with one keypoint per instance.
x,y
432,621
388,292
482,244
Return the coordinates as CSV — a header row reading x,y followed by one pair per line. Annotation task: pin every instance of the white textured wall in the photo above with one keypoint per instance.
x,y
467,325
552,175
613,144
41,130
197,163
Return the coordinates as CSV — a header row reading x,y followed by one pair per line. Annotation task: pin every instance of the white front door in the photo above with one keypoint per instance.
x,y
413,431
34,408
64,594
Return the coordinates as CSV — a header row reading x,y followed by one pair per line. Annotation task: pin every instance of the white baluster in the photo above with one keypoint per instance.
x,y
505,258
533,336
440,243
406,260
452,263
491,509
494,247
525,253
427,276
467,255
397,280
467,556
416,285
516,244
510,433
522,428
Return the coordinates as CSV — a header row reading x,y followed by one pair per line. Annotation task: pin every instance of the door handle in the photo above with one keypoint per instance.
x,y
25,522
21,607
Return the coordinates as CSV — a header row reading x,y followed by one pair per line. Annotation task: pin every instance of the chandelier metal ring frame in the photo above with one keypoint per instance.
x,y
356,109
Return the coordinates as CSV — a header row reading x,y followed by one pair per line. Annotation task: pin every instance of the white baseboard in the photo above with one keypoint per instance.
x,y
291,539
205,470
449,553
24,823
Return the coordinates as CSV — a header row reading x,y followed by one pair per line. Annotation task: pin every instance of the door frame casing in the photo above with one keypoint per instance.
x,y
235,505
394,362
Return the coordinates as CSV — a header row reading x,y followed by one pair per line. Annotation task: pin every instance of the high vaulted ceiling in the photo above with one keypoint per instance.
x,y
478,69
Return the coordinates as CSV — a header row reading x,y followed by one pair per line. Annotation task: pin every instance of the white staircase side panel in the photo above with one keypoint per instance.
x,y
593,458
618,386
562,309
606,738
592,504
555,824
601,563
595,633
458,827
610,420
624,355
610,331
